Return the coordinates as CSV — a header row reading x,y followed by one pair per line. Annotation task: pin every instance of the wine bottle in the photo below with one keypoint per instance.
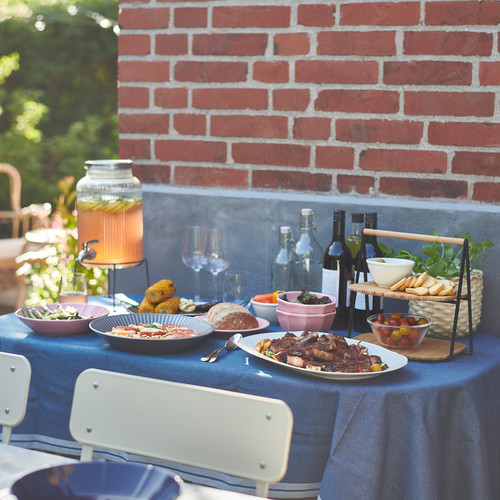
x,y
337,268
375,304
281,267
307,255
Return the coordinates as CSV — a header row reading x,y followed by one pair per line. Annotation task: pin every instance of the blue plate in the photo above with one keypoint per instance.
x,y
102,326
98,480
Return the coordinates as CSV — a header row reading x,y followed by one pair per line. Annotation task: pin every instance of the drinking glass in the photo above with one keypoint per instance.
x,y
215,258
193,249
235,288
73,289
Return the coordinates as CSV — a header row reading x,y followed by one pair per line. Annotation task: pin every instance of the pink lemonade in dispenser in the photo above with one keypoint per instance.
x,y
109,205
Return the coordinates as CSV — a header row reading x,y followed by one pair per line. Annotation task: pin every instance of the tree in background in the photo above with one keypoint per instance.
x,y
58,90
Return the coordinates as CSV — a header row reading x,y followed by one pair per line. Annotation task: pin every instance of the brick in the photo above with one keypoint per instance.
x,y
190,124
358,101
143,123
152,174
249,126
194,150
143,71
349,43
462,13
271,71
291,44
260,16
403,160
211,177
311,128
476,163
190,17
171,45
463,43
216,71
133,97
230,44
355,184
427,73
171,97
464,134
134,149
291,99
286,155
380,14
335,157
419,187
488,192
316,15
143,18
450,103
384,131
291,181
226,98
336,71
489,73
134,45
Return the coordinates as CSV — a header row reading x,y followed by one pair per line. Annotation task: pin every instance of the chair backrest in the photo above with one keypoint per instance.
x,y
15,377
14,215
238,434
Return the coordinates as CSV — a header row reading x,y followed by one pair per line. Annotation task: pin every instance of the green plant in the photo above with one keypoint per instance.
x,y
44,273
443,260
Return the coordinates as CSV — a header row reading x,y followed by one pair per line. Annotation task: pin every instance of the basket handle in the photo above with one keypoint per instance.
x,y
414,236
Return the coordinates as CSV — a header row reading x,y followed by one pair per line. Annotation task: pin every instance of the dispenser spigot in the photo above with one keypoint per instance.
x,y
87,253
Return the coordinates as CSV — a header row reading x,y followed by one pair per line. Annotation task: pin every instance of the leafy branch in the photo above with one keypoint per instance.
x,y
441,259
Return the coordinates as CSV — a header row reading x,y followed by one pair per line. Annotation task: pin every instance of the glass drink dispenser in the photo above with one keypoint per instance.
x,y
109,205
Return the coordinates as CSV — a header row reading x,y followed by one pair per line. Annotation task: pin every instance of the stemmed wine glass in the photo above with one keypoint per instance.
x,y
215,259
193,249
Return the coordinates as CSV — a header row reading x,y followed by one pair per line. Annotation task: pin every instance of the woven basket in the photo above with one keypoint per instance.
x,y
443,314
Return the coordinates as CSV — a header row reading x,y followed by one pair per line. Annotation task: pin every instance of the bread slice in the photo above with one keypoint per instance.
x,y
447,290
429,281
418,290
400,285
435,289
420,280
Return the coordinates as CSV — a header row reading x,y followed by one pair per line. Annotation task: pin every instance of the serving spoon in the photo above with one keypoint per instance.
x,y
230,345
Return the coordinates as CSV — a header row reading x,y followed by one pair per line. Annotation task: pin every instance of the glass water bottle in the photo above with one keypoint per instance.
x,y
281,267
307,255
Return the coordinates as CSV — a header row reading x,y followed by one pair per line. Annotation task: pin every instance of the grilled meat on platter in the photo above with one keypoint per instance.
x,y
323,352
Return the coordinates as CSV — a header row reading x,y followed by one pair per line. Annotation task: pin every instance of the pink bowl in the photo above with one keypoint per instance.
x,y
293,306
64,327
312,322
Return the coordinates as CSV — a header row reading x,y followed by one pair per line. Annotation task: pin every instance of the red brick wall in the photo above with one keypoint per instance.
x,y
383,99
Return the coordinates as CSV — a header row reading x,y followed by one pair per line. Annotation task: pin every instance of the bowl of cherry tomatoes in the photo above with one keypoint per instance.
x,y
399,330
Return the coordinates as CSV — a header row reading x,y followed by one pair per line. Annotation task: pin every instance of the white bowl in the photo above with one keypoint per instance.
x,y
387,271
265,310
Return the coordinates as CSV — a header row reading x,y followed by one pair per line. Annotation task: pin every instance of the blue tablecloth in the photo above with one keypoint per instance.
x,y
427,431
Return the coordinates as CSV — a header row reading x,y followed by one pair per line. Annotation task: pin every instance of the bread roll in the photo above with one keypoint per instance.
x,y
229,316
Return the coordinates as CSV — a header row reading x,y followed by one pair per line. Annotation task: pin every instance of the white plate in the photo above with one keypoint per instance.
x,y
393,360
262,324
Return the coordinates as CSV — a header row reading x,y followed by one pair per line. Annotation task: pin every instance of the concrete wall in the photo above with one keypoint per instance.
x,y
252,220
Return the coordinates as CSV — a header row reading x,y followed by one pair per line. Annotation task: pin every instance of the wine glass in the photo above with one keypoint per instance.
x,y
193,249
215,258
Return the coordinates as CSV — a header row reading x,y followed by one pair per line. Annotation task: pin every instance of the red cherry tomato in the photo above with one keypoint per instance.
x,y
404,341
394,322
411,320
380,318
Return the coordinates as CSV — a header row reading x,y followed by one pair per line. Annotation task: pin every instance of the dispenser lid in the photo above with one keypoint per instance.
x,y
108,164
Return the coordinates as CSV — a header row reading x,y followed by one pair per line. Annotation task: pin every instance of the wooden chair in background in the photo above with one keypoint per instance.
x,y
237,434
15,378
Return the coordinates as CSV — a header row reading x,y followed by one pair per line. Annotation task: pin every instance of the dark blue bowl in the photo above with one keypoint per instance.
x,y
98,480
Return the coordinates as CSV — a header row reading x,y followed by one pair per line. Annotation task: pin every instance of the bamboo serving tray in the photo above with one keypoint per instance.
x,y
429,350
370,288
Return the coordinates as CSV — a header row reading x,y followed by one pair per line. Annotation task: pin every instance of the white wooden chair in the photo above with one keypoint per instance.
x,y
15,377
238,434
